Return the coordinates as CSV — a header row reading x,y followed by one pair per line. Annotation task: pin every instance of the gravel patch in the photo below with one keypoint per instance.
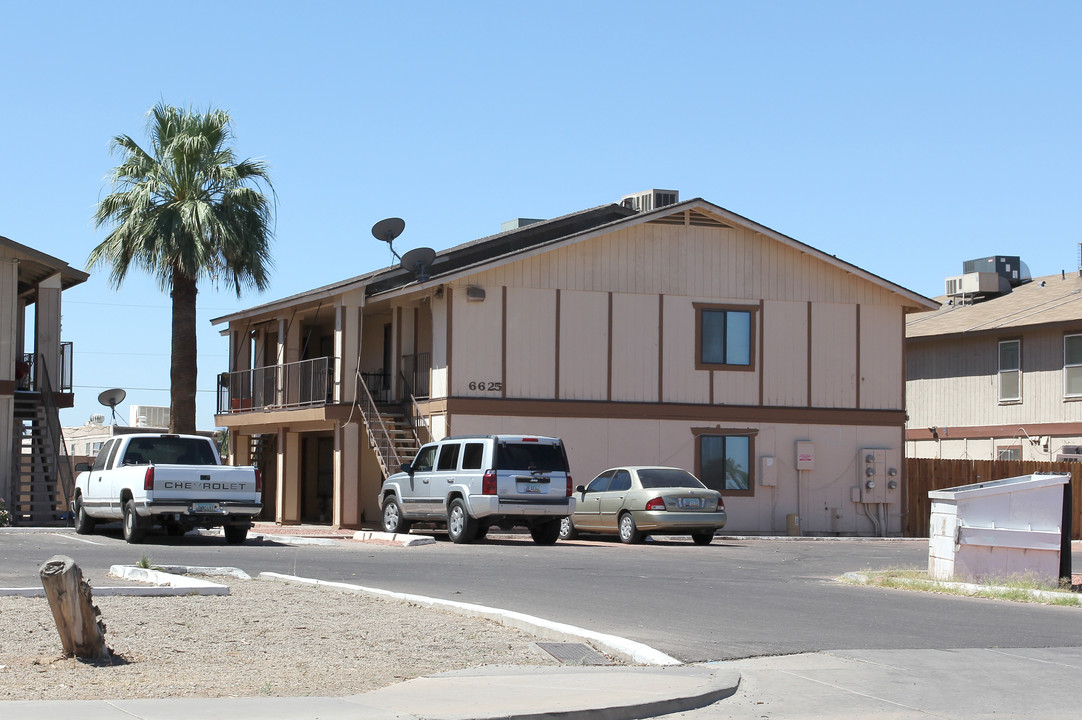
x,y
263,639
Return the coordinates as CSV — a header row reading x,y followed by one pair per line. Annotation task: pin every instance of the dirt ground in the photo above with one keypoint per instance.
x,y
263,639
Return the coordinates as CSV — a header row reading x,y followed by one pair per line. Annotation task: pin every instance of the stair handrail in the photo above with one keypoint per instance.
x,y
418,421
56,435
378,435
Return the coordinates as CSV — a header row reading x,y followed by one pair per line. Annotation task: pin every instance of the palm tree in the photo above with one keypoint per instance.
x,y
185,211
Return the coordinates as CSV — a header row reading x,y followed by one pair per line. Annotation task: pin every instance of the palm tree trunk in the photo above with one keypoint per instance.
x,y
183,370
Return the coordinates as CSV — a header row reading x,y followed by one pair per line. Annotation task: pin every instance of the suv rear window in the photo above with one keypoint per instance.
x,y
539,457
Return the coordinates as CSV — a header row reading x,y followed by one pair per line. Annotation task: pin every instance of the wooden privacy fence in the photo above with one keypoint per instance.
x,y
926,474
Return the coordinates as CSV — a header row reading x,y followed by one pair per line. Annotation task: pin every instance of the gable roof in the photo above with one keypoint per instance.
x,y
1044,301
543,235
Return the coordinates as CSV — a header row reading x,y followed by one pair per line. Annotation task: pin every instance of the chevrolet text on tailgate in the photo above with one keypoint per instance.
x,y
177,481
472,483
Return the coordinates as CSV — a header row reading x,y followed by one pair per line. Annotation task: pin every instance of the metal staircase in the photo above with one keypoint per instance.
x,y
390,432
43,478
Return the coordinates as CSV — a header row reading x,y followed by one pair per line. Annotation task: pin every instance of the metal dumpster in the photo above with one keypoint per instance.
x,y
1000,528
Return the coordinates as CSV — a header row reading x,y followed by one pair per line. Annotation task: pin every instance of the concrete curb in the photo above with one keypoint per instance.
x,y
623,648
165,584
972,588
629,693
397,538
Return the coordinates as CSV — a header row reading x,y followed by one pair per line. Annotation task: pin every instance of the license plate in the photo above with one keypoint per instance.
x,y
205,507
530,488
691,503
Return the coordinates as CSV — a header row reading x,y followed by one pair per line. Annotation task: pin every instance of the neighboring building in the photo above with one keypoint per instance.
x,y
647,332
996,372
85,440
35,381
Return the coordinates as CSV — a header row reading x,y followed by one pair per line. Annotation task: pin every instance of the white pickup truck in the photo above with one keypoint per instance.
x,y
177,481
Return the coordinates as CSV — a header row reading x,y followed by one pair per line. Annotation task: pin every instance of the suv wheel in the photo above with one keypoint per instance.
x,y
546,533
461,528
393,520
567,529
629,533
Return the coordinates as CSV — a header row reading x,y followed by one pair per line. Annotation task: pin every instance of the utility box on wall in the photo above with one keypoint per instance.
x,y
805,455
879,480
768,473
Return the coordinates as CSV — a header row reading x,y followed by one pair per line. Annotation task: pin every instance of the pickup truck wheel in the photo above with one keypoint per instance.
x,y
629,533
461,528
84,524
235,534
393,521
567,529
546,533
134,531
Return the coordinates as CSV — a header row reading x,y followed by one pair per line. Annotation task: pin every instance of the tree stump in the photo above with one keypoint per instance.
x,y
76,616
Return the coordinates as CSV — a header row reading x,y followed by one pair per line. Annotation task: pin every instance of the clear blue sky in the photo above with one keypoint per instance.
x,y
902,137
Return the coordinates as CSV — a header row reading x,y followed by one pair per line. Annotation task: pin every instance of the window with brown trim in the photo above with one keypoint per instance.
x,y
724,462
724,337
1010,371
1009,452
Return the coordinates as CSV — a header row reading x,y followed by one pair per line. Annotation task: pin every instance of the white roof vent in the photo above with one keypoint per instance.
x,y
96,419
648,200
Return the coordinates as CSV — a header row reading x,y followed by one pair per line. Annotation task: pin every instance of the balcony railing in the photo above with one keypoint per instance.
x,y
277,387
30,381
417,372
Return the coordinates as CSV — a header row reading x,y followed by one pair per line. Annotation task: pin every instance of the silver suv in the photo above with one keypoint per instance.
x,y
473,483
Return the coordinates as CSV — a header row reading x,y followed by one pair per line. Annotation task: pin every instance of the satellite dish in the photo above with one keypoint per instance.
x,y
387,230
112,398
418,260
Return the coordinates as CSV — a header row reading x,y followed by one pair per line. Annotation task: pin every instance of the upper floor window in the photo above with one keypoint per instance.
x,y
724,336
1010,370
1072,365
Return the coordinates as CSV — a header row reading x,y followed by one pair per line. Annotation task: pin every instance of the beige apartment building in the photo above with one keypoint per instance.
x,y
996,372
35,382
649,331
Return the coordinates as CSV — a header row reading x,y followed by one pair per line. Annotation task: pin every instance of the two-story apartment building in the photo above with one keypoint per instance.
x,y
35,381
996,372
649,331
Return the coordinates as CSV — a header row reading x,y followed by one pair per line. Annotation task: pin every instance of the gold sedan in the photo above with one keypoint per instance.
x,y
636,501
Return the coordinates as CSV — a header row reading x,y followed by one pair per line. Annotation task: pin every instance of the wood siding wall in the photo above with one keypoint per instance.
x,y
926,475
954,382
613,319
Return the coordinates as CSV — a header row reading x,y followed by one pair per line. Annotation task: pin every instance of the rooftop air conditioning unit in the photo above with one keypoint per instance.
x,y
650,200
155,416
974,283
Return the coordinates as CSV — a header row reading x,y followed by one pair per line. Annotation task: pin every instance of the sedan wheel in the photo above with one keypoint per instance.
x,y
567,529
629,533
702,538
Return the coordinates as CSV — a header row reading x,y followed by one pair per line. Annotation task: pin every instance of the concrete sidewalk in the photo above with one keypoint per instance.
x,y
608,693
